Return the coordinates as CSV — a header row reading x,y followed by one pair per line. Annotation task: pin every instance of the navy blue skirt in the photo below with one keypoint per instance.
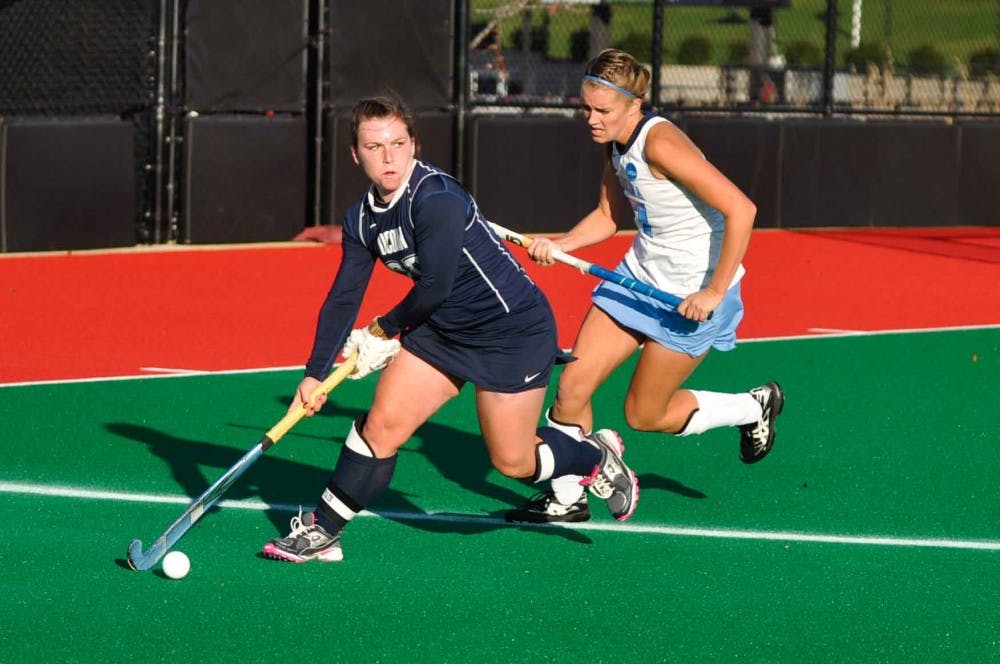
x,y
512,353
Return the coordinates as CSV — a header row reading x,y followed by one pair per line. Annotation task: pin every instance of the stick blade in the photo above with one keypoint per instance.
x,y
135,557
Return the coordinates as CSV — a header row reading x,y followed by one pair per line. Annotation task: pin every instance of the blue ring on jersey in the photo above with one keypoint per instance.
x,y
660,322
605,82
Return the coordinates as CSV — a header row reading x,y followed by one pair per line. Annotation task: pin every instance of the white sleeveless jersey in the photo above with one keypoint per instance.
x,y
680,236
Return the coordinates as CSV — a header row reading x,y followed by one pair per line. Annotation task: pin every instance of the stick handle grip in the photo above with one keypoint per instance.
x,y
510,236
560,256
293,416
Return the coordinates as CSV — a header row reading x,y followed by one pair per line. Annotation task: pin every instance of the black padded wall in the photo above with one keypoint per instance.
x,y
827,171
979,179
405,46
66,183
246,55
534,174
244,178
851,173
540,174
346,182
748,152
917,174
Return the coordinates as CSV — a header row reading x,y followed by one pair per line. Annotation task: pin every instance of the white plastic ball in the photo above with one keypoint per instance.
x,y
176,565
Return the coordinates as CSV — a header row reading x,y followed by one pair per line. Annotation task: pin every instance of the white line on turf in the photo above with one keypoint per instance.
x,y
676,531
182,373
178,372
834,330
870,333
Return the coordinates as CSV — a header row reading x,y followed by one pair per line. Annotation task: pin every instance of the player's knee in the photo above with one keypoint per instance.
x,y
647,417
572,397
518,466
382,435
639,420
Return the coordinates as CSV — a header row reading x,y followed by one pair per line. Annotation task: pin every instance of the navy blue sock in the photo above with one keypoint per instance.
x,y
559,454
358,480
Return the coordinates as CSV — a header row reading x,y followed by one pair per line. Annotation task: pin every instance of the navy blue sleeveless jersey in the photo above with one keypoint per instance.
x,y
468,290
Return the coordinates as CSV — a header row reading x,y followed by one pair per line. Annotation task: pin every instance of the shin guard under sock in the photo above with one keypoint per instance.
x,y
559,454
566,488
358,479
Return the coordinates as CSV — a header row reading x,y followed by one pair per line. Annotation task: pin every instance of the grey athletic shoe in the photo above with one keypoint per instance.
x,y
757,438
612,480
544,508
307,541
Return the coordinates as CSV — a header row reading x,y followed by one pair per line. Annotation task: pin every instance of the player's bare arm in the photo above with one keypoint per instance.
x,y
673,156
602,222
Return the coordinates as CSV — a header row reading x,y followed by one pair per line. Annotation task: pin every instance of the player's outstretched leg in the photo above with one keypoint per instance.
x,y
566,500
757,438
307,541
612,480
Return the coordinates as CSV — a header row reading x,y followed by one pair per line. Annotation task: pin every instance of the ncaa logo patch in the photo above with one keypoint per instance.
x,y
630,171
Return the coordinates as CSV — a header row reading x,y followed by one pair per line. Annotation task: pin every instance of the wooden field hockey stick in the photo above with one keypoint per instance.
x,y
142,560
595,270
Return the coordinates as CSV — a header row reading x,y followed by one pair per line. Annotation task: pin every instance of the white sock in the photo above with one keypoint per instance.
x,y
571,430
716,409
566,489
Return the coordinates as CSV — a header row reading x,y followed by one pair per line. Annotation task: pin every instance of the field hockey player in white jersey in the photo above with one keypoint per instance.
x,y
693,228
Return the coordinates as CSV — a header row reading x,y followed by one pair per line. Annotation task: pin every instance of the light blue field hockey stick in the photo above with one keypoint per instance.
x,y
595,270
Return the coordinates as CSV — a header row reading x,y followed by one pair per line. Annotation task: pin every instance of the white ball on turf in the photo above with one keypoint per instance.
x,y
176,565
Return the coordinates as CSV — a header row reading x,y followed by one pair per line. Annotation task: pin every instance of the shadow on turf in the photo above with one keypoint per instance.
x,y
157,571
652,481
458,455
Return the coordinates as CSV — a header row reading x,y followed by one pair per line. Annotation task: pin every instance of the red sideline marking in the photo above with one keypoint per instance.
x,y
95,314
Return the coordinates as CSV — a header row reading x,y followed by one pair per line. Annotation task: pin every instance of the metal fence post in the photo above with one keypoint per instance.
x,y
316,105
830,60
460,88
656,56
165,131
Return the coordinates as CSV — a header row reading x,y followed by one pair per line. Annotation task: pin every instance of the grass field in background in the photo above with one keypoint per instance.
x,y
957,28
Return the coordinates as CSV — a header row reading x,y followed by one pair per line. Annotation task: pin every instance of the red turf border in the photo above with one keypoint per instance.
x,y
96,314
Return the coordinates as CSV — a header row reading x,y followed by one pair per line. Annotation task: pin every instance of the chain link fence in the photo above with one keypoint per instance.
x,y
86,57
63,59
865,56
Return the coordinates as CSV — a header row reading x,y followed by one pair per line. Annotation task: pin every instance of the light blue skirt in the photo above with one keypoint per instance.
x,y
660,322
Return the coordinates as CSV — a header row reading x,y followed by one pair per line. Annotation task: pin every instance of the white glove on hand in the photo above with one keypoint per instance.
x,y
373,352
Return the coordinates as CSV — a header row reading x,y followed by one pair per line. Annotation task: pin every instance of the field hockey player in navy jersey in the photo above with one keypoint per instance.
x,y
472,316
